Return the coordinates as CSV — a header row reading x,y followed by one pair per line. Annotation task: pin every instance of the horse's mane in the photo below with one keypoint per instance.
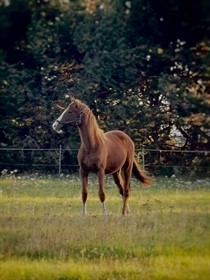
x,y
91,120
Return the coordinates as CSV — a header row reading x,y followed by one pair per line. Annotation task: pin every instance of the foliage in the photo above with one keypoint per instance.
x,y
142,66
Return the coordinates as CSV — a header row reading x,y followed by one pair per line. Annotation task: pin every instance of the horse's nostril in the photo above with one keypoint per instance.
x,y
54,125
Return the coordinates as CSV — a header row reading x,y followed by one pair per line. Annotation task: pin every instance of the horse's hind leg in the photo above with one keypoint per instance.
x,y
120,184
118,181
127,172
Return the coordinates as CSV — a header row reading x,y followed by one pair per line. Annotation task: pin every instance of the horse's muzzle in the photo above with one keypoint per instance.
x,y
57,127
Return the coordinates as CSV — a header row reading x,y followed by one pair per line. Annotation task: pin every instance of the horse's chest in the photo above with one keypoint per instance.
x,y
90,164
90,168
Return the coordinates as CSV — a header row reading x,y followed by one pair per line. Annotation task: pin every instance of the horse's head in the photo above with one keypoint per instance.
x,y
71,115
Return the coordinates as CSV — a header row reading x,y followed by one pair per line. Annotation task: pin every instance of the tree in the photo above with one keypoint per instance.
x,y
142,66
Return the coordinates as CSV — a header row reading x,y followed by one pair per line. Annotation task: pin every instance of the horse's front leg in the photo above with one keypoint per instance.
x,y
84,180
101,193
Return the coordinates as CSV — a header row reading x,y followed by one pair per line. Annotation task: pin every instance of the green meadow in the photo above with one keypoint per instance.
x,y
43,236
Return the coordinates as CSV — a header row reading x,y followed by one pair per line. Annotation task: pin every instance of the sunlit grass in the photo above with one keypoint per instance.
x,y
43,236
157,268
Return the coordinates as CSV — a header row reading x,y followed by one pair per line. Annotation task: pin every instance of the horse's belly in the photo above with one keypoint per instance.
x,y
114,166
119,148
111,171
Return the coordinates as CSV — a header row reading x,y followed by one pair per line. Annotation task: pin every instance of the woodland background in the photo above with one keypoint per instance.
x,y
143,66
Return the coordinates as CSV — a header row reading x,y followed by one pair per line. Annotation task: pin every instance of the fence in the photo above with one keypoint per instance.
x,y
60,160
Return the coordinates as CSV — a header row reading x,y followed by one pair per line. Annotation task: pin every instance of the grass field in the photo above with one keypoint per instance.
x,y
43,236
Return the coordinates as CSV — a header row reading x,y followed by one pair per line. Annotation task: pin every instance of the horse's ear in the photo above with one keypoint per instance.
x,y
59,107
75,101
72,98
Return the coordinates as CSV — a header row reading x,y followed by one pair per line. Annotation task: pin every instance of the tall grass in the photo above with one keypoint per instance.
x,y
43,236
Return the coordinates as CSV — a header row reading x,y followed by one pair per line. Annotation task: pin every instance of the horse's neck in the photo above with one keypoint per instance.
x,y
89,133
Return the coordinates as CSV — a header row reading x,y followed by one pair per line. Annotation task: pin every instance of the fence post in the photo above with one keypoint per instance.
x,y
59,160
143,158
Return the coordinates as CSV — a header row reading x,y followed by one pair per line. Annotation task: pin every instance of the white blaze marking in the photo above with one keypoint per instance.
x,y
61,116
56,123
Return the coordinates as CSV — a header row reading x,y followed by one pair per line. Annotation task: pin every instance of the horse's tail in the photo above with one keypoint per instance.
x,y
140,174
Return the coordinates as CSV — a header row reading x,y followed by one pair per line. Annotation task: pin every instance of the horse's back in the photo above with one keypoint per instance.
x,y
117,135
119,140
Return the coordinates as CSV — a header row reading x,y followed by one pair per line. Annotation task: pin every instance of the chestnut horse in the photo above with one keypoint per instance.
x,y
101,153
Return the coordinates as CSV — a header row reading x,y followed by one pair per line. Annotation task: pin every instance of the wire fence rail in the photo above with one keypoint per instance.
x,y
63,160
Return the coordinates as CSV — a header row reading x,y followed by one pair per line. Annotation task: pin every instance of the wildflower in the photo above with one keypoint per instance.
x,y
4,172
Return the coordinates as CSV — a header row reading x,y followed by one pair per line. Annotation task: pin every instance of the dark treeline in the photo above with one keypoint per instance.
x,y
141,65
